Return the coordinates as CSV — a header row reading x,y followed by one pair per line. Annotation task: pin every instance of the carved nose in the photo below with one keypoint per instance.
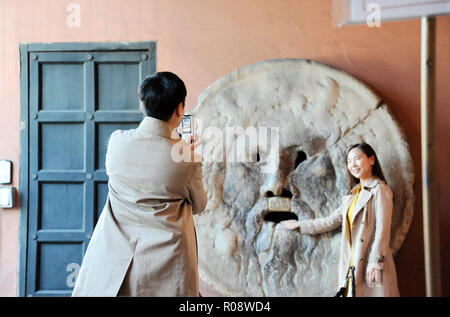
x,y
276,189
276,186
277,183
284,193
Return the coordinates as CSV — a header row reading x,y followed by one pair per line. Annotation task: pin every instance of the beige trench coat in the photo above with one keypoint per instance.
x,y
144,242
371,230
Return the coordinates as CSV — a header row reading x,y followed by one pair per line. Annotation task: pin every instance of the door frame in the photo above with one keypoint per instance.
x,y
25,50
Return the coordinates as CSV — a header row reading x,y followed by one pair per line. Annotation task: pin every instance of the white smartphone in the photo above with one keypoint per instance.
x,y
187,128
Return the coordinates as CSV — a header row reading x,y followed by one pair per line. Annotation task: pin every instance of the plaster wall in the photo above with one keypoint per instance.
x,y
202,40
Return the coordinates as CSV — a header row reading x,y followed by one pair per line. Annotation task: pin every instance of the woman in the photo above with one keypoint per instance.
x,y
366,265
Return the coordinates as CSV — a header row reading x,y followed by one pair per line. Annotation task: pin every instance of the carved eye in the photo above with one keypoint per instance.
x,y
301,156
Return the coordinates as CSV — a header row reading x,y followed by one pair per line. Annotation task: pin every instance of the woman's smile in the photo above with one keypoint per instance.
x,y
359,165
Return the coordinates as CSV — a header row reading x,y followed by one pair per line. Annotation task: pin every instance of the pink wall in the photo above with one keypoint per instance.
x,y
202,40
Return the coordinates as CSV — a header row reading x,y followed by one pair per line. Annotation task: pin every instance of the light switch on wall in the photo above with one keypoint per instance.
x,y
5,171
7,194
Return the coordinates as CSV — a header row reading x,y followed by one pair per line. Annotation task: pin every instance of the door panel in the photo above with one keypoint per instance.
x,y
62,86
57,214
77,98
55,150
118,92
53,267
101,192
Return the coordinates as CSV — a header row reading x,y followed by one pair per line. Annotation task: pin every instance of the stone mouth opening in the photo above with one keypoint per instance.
x,y
278,216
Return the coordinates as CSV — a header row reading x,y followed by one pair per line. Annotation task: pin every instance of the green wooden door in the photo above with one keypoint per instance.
x,y
77,94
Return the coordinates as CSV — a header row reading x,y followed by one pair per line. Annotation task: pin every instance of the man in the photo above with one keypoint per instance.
x,y
144,242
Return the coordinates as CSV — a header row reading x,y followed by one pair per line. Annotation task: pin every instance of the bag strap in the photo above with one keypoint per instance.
x,y
352,270
351,273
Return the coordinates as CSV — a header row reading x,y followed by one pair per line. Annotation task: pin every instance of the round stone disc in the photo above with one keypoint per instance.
x,y
276,133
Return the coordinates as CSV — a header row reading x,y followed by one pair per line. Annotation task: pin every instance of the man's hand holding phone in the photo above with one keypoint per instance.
x,y
188,132
194,141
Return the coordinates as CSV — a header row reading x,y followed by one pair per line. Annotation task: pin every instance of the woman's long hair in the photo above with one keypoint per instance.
x,y
376,168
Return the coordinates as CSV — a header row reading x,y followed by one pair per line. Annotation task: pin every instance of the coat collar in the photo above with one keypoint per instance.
x,y
158,127
368,186
364,195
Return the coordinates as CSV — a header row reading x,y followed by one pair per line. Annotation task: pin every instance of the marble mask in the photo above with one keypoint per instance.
x,y
317,112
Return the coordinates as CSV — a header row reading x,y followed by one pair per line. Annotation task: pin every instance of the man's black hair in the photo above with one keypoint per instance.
x,y
161,93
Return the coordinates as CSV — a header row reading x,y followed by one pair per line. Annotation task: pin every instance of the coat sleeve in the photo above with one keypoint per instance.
x,y
321,225
109,150
383,205
197,194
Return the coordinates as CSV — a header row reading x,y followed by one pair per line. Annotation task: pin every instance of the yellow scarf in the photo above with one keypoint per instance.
x,y
349,230
350,220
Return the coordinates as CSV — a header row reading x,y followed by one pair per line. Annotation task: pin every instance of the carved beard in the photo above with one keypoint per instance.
x,y
263,246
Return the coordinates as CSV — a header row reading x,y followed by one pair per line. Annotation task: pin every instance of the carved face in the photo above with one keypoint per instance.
x,y
243,250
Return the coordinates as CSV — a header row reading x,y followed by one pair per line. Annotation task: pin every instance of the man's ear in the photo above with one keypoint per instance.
x,y
180,109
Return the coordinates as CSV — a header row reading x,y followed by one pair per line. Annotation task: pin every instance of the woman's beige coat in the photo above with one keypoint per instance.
x,y
371,231
144,242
